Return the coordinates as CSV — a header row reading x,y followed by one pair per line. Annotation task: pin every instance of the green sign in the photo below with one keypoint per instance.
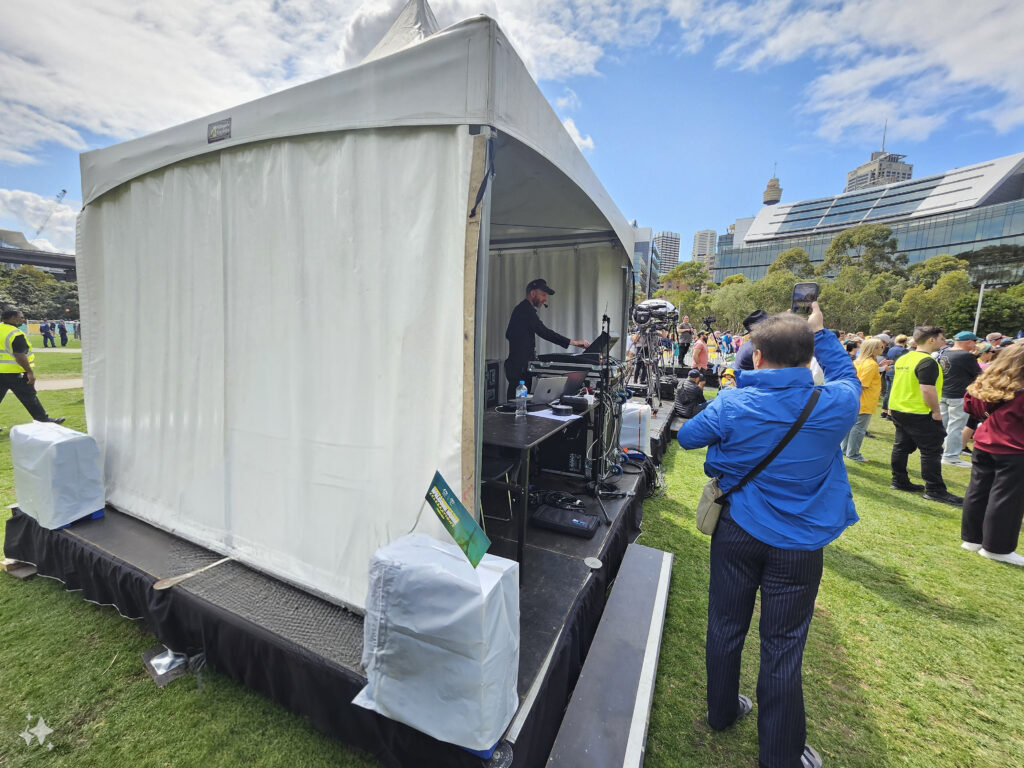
x,y
457,521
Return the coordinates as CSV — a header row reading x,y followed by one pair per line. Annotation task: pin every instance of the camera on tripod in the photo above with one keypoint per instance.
x,y
708,321
655,314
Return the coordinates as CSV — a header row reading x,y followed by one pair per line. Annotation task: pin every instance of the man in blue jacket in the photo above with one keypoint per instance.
x,y
773,530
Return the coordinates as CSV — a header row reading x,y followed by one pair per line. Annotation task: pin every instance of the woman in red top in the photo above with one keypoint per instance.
x,y
994,503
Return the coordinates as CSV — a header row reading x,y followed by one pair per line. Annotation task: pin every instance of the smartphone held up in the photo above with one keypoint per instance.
x,y
804,294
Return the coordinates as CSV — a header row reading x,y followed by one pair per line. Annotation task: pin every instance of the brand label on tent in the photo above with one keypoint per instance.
x,y
218,131
457,521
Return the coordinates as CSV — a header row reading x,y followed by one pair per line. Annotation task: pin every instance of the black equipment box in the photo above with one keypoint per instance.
x,y
573,522
492,384
668,387
566,452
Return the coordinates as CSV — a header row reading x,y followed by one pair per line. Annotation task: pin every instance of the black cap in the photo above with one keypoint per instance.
x,y
693,374
540,284
755,317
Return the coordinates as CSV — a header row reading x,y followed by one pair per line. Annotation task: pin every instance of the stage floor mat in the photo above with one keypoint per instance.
x,y
304,652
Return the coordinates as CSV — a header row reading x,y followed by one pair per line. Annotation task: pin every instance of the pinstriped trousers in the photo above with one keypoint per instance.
x,y
788,580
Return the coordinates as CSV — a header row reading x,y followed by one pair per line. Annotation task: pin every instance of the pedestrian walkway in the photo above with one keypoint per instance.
x,y
43,385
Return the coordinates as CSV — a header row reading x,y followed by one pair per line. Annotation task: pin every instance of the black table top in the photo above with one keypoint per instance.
x,y
502,429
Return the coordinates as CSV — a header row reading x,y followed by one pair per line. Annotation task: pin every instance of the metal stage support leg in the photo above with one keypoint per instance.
x,y
524,508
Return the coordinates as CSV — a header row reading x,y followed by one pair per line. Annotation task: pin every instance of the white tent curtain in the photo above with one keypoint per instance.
x,y
315,289
588,282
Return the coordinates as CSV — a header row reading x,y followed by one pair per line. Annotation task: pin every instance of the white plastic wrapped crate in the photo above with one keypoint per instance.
x,y
441,641
58,475
636,427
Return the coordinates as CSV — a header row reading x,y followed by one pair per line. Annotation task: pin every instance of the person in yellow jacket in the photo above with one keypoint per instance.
x,y
871,390
16,374
914,404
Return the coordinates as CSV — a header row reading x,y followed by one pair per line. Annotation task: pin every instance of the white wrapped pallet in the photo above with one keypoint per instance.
x,y
441,641
58,476
636,427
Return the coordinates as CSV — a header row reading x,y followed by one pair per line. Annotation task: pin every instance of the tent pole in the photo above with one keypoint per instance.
x,y
483,218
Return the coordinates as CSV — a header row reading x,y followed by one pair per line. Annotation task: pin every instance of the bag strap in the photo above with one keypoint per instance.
x,y
815,394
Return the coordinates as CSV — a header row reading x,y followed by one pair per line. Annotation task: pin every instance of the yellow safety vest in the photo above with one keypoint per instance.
x,y
905,396
7,362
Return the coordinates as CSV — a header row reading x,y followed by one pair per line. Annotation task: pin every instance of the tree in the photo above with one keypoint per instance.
x,y
1000,311
733,279
927,273
871,245
793,260
892,316
685,276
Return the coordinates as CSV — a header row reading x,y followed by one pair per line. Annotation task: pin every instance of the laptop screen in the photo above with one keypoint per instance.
x,y
600,345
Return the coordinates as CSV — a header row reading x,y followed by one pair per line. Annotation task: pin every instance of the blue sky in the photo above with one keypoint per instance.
x,y
681,106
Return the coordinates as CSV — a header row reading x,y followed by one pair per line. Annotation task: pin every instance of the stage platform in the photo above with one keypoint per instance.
x,y
304,652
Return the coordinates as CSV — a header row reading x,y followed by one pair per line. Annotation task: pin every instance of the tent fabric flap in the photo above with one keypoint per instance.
x,y
274,345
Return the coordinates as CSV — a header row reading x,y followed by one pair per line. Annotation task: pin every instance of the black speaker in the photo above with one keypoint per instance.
x,y
566,452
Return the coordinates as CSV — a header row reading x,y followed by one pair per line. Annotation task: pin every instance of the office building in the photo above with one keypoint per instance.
x,y
646,260
957,212
704,243
883,168
668,249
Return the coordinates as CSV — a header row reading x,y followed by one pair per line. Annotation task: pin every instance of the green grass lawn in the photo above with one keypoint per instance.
x,y
50,365
914,655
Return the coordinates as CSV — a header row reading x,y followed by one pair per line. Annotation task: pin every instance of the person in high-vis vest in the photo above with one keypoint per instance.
x,y
914,405
16,372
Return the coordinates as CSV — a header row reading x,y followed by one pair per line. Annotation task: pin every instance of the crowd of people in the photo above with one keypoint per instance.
x,y
945,400
51,328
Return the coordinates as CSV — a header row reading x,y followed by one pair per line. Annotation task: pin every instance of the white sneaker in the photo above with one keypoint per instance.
x,y
1013,558
970,546
957,462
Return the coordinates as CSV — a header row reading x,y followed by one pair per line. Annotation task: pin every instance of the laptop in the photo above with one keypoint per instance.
x,y
547,389
573,383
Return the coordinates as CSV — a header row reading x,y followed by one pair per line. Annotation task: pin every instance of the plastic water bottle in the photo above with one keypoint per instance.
x,y
521,392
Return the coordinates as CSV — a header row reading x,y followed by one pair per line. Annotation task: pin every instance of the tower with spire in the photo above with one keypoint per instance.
x,y
883,168
773,192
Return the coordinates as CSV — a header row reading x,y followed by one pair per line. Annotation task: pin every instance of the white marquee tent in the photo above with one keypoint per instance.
x,y
287,305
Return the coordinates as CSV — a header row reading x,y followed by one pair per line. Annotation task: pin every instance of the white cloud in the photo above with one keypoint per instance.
x,y
30,211
915,64
585,143
568,101
123,69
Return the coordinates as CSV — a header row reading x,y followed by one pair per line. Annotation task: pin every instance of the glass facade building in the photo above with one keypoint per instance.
x,y
960,211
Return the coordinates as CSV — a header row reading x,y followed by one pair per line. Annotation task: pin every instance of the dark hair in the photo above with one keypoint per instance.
x,y
926,332
784,340
8,314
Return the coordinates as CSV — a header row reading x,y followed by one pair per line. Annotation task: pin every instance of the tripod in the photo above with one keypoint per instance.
x,y
647,363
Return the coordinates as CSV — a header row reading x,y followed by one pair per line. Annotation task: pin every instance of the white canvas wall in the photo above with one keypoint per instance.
x,y
588,282
273,345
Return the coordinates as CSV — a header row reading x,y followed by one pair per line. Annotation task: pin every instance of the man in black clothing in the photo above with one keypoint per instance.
x,y
959,368
523,327
16,374
914,403
690,396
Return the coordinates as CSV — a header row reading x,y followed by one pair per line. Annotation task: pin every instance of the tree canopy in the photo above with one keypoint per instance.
x,y
870,245
867,286
38,294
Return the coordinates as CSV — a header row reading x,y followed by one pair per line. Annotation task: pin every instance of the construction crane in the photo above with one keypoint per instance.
x,y
60,199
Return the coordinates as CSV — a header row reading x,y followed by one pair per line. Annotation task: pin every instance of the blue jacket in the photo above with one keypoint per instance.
x,y
802,500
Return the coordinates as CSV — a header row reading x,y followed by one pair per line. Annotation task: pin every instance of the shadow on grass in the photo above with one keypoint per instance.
x,y
840,720
866,485
894,586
